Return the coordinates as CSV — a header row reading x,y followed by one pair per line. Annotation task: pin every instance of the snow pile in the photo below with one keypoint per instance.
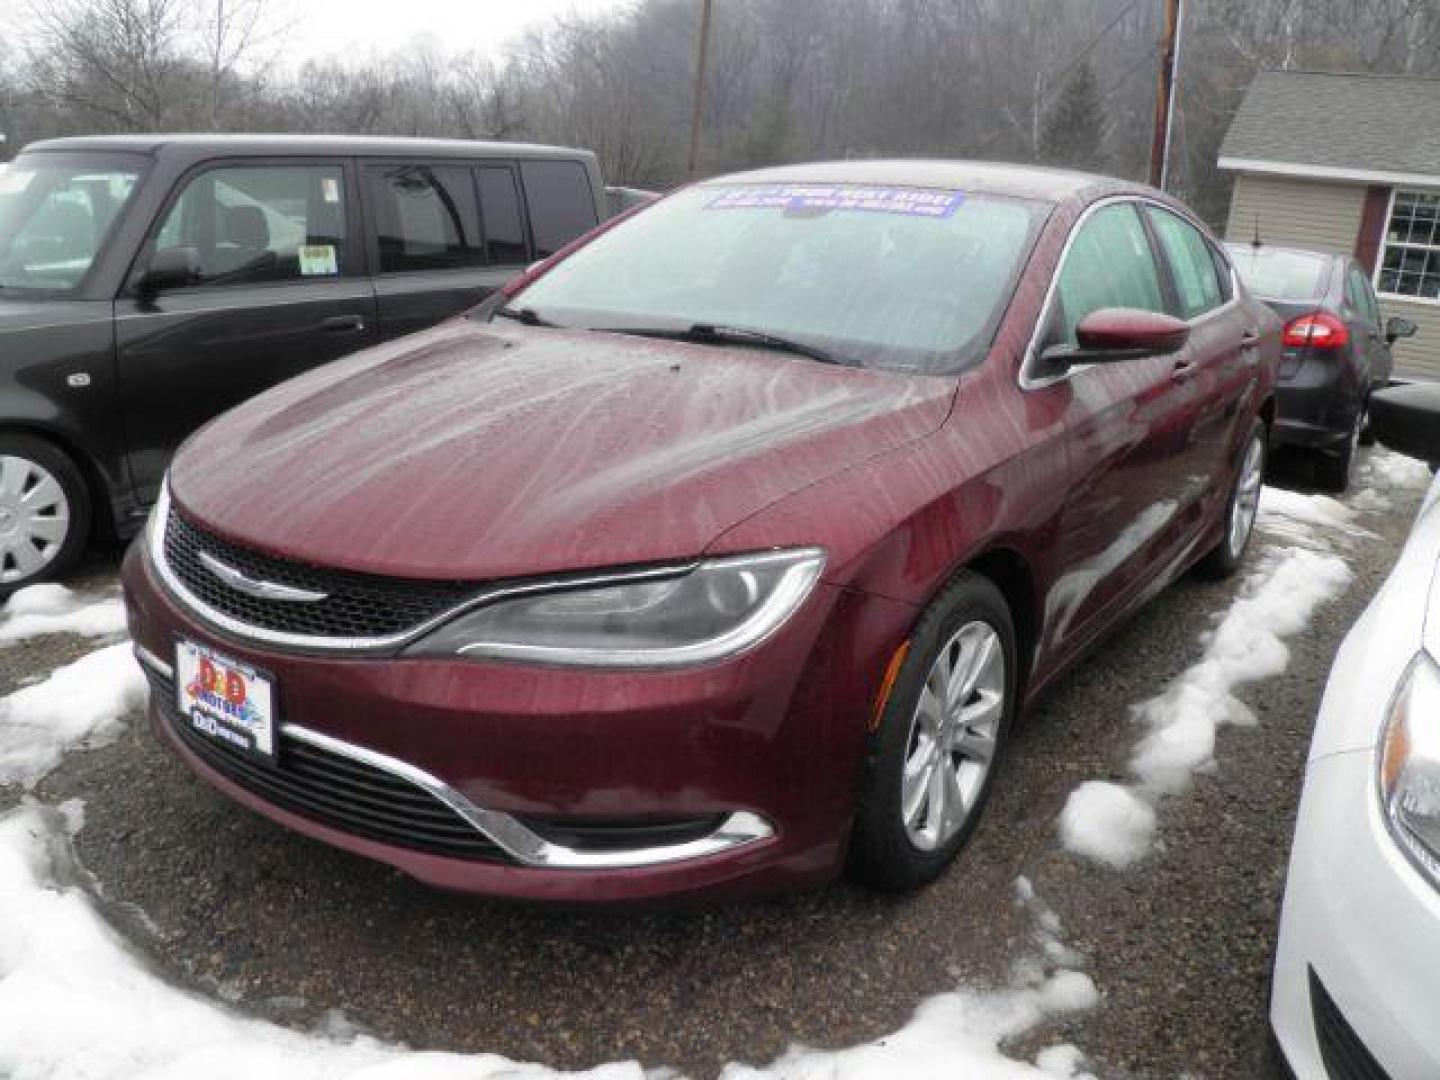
x,y
78,704
51,608
1295,517
1386,469
74,1002
952,1035
1108,822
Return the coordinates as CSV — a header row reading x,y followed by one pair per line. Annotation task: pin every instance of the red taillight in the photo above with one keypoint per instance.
x,y
1319,330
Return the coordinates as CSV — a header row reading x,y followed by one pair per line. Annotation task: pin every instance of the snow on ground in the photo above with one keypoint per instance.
x,y
51,608
1295,516
1107,822
79,704
1383,468
75,1002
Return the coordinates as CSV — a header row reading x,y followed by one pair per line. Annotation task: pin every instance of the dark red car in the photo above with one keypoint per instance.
x,y
721,551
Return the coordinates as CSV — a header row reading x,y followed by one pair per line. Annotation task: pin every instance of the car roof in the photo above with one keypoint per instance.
x,y
980,177
284,144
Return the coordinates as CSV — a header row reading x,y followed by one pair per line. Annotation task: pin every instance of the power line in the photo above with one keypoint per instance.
x,y
1084,54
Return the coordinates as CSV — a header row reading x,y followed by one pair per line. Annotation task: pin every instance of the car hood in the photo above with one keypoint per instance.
x,y
20,315
474,451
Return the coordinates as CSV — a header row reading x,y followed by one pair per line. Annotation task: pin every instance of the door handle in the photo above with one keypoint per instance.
x,y
1249,339
343,323
1183,370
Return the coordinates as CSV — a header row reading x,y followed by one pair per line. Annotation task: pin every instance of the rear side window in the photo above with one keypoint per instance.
x,y
500,207
1192,266
1361,300
562,205
1109,265
425,217
261,223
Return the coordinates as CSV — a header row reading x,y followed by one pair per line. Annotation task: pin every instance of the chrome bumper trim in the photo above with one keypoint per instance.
x,y
524,845
154,663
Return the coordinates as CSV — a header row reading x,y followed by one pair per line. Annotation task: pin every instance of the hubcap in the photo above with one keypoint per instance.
x,y
1246,501
953,736
34,518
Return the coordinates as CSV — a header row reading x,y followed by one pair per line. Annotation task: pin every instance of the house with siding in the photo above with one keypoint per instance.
x,y
1343,162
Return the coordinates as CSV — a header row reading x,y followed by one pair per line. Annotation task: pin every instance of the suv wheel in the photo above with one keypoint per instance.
x,y
934,755
44,511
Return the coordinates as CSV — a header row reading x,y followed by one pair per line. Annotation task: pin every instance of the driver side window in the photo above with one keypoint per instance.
x,y
261,223
1109,265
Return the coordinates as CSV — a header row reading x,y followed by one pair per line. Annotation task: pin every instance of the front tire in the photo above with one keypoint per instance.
x,y
933,758
44,512
1242,509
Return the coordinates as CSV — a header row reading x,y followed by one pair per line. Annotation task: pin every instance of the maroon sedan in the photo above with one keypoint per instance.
x,y
720,551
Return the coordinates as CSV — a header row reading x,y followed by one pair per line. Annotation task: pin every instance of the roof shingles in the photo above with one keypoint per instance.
x,y
1334,120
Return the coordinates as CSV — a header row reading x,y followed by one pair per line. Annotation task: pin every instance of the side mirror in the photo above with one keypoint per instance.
x,y
172,268
1407,418
1111,335
1397,328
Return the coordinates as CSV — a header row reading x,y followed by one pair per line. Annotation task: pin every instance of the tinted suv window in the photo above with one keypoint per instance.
x,y
1192,265
261,223
425,217
500,206
561,204
1109,265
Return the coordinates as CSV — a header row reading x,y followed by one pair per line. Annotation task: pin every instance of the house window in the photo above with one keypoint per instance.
x,y
1410,262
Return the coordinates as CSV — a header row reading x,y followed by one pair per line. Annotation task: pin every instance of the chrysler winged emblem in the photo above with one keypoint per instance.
x,y
261,590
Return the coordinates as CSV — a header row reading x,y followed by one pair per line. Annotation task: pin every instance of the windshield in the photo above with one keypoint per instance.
x,y
911,279
1273,274
56,211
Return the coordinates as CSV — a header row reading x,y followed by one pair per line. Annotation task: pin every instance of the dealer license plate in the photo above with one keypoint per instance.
x,y
225,700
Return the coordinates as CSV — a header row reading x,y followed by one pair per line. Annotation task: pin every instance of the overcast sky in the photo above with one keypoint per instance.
x,y
357,29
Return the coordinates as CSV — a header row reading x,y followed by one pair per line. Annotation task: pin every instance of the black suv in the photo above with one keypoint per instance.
x,y
148,283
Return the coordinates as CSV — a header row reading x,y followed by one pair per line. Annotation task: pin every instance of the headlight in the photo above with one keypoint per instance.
x,y
657,618
1410,764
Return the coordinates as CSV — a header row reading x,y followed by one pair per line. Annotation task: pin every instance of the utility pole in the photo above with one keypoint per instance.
x,y
698,116
1165,96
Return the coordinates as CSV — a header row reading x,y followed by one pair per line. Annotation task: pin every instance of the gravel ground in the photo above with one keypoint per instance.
x,y
1179,946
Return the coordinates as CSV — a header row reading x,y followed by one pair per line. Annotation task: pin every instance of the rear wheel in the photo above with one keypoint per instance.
x,y
44,511
1332,468
1243,507
934,755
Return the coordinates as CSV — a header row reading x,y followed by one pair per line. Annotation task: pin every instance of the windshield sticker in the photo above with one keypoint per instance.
x,y
910,202
330,189
14,181
318,260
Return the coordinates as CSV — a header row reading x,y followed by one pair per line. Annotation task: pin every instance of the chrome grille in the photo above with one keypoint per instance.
x,y
356,606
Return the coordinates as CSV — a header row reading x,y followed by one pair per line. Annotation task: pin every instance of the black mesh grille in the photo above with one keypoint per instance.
x,y
356,605
337,791
1344,1055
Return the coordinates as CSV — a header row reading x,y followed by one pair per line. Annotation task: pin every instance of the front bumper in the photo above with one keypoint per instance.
x,y
765,746
1357,971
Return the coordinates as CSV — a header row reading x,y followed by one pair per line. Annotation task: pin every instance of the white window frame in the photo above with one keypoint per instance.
x,y
1385,245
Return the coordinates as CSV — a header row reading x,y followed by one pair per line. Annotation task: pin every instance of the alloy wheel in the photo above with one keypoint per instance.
x,y
953,736
1245,503
34,518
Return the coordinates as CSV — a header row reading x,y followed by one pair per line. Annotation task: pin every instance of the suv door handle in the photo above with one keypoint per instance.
x,y
343,323
1249,339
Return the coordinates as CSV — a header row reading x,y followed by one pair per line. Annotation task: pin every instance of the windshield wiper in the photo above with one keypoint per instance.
x,y
712,334
526,315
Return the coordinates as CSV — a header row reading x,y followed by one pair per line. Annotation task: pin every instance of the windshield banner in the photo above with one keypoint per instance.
x,y
911,202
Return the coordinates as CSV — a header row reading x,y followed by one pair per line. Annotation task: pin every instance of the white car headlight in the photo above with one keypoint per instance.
x,y
1410,764
656,618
